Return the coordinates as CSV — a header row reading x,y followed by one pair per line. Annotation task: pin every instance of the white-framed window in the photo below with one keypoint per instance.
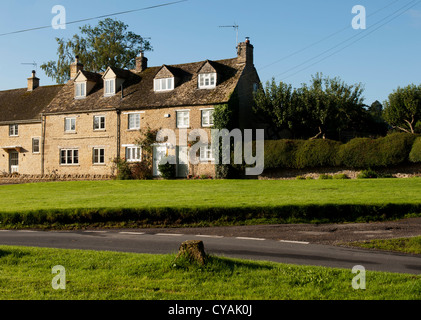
x,y
133,153
109,86
206,153
69,156
13,130
207,80
99,122
164,84
36,145
69,124
207,118
183,119
80,89
98,156
134,121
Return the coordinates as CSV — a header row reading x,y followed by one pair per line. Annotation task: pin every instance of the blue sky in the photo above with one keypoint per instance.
x,y
382,60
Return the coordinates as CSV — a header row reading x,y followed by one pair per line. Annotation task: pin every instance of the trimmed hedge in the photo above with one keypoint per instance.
x,y
415,155
359,153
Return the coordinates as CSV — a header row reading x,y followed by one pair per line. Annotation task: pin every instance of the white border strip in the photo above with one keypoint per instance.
x,y
296,242
132,233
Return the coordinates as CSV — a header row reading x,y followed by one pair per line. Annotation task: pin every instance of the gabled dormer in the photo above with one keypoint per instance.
x,y
165,79
113,79
207,76
84,82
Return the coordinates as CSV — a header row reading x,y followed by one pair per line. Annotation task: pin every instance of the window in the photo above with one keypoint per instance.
x,y
70,124
69,157
133,154
35,145
183,119
134,121
80,90
99,122
109,87
165,84
13,130
207,80
98,156
207,118
206,154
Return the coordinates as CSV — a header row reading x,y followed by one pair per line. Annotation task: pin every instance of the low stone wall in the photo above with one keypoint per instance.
x,y
408,171
19,178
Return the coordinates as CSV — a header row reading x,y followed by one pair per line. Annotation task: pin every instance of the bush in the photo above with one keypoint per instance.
x,y
316,153
415,155
340,176
300,178
325,177
123,169
368,174
391,150
142,171
168,170
281,153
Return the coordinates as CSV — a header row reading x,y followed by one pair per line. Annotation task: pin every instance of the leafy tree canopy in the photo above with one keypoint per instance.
x,y
109,44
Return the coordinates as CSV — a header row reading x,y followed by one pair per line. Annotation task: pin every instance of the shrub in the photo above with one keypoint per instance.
x,y
415,155
325,177
368,174
340,176
123,169
300,178
168,170
316,153
281,153
391,150
142,171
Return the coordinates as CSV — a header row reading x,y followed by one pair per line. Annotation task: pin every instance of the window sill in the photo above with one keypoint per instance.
x,y
70,132
99,165
135,129
69,165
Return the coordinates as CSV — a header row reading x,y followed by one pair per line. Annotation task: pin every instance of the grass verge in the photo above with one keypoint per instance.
x,y
206,203
406,245
26,274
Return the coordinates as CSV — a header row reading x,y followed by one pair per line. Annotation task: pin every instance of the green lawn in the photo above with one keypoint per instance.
x,y
26,274
208,202
206,193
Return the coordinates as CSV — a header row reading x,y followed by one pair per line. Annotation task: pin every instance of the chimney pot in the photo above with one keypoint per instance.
x,y
33,82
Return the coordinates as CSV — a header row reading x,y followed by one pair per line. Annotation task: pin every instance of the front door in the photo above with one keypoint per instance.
x,y
13,161
159,152
182,162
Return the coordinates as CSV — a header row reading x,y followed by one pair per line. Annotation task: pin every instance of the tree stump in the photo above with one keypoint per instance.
x,y
194,250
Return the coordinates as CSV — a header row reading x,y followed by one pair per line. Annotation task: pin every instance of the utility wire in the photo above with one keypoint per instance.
x,y
394,15
95,18
324,39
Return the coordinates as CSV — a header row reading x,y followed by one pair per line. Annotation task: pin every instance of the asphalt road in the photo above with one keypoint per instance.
x,y
301,253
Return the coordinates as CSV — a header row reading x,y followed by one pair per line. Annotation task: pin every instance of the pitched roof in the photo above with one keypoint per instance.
x,y
23,105
139,90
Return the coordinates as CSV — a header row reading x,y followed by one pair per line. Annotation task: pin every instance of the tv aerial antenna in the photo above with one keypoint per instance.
x,y
236,28
34,64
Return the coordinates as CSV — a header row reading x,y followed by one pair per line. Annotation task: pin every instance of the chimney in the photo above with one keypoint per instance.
x,y
141,62
245,52
75,67
33,82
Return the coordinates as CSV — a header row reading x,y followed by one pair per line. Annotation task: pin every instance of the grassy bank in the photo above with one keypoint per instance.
x,y
207,202
405,245
26,273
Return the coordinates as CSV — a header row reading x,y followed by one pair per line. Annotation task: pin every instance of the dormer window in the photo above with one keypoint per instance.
x,y
109,85
165,84
207,80
80,90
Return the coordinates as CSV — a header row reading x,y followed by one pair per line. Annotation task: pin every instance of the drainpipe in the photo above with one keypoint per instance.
x,y
43,120
118,111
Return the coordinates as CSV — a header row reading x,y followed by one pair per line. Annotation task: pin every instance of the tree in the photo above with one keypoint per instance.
x,y
109,44
403,108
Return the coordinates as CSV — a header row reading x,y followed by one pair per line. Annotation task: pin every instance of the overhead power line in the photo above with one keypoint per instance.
x,y
392,17
95,18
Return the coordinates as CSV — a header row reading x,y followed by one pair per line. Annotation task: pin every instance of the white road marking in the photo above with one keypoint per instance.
x,y
132,233
169,234
88,231
209,236
297,242
247,238
27,231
